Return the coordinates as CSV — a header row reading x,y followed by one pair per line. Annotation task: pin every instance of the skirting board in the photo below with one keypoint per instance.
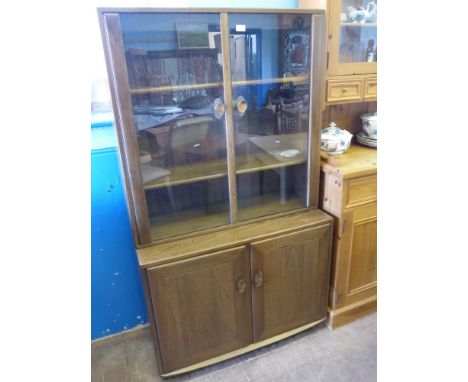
x,y
351,312
121,335
247,349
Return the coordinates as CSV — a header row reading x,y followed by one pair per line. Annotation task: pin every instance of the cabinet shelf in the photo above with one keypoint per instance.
x,y
359,25
197,220
218,168
174,88
281,80
171,88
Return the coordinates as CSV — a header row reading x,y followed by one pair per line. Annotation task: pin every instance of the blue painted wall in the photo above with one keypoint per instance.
x,y
117,300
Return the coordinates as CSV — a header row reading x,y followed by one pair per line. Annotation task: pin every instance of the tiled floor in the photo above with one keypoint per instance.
x,y
348,353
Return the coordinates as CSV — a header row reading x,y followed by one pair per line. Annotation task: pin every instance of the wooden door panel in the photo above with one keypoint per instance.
x,y
294,288
358,255
202,307
363,270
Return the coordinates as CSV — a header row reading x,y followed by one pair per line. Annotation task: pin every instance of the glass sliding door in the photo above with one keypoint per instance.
x,y
175,74
270,69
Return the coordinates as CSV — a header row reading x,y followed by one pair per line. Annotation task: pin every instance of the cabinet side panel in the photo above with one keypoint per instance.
x,y
118,130
152,321
124,122
316,106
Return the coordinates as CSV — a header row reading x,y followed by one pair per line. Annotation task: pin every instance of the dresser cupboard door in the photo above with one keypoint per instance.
x,y
358,255
289,281
202,307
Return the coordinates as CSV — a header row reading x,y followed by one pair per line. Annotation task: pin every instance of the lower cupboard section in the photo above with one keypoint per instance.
x,y
215,306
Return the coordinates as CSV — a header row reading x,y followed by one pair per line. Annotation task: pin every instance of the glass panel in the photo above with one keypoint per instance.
x,y
175,75
270,56
358,31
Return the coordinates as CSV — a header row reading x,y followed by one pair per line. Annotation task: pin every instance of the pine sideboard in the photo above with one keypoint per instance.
x,y
349,194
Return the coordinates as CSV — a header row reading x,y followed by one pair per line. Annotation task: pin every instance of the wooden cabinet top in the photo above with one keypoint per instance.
x,y
356,161
230,237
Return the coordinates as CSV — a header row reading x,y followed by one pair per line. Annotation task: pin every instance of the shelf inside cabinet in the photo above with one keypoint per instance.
x,y
280,80
359,25
171,88
184,222
174,88
190,173
218,168
266,205
263,162
193,220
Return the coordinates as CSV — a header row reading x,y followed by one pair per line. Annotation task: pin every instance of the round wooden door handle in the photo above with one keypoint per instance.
x,y
258,279
241,284
240,105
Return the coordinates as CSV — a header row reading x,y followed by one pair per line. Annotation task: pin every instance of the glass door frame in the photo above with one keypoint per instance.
x,y
335,67
109,19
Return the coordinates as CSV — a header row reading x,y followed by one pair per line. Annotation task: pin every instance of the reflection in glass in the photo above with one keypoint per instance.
x,y
270,57
358,34
175,76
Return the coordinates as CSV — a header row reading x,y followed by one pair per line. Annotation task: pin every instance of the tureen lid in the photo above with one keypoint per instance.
x,y
370,116
331,131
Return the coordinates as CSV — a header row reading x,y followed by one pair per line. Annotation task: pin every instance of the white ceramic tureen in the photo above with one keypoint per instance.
x,y
369,125
335,140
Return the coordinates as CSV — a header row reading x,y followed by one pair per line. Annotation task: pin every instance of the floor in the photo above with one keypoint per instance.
x,y
348,353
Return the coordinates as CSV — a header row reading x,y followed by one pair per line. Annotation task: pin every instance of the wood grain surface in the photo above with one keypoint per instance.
x,y
293,292
201,307
207,242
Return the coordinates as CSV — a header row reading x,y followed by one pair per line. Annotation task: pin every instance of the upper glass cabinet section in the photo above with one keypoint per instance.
x,y
214,113
270,65
353,37
175,75
358,35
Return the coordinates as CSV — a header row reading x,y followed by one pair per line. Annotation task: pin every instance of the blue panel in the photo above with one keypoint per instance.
x,y
117,299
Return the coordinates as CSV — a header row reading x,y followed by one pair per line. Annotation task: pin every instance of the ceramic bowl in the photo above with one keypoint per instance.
x,y
334,140
369,124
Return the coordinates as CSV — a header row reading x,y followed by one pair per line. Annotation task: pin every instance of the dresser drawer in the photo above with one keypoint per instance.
x,y
370,89
361,190
339,91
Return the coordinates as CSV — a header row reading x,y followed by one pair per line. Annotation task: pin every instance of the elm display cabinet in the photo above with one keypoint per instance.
x,y
218,118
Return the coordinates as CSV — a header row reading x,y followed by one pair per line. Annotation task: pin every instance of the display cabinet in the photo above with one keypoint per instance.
x,y
352,37
351,50
218,116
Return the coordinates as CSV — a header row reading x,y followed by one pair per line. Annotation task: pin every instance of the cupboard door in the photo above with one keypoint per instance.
x,y
358,255
202,307
290,281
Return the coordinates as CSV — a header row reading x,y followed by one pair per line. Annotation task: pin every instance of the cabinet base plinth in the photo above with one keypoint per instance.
x,y
338,317
244,350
